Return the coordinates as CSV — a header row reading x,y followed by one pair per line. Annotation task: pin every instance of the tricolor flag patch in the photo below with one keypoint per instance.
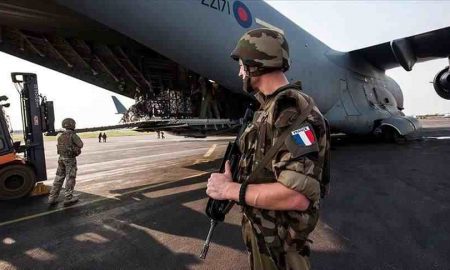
x,y
303,136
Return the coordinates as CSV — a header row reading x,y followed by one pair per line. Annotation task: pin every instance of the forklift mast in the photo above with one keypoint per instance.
x,y
37,117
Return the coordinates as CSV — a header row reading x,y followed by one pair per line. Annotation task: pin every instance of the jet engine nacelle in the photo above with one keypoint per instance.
x,y
441,83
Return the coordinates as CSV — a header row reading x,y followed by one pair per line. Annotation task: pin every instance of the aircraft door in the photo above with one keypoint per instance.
x,y
347,99
378,96
371,95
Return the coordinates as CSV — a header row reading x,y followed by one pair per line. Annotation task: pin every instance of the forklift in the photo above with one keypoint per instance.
x,y
22,167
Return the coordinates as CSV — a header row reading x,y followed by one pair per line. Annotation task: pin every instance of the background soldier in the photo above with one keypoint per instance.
x,y
69,147
281,202
100,137
104,136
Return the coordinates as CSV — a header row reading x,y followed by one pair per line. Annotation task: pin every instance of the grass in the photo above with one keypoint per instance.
x,y
87,135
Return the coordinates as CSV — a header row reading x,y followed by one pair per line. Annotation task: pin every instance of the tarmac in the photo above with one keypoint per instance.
x,y
142,207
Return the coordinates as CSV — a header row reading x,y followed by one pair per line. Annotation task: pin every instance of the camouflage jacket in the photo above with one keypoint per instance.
x,y
69,144
298,165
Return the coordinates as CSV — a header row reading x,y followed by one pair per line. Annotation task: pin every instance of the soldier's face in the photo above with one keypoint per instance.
x,y
242,73
249,83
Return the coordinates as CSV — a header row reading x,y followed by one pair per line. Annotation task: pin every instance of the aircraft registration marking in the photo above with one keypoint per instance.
x,y
218,5
240,12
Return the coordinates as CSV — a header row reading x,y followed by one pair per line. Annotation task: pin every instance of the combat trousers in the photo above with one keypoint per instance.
x,y
67,169
262,261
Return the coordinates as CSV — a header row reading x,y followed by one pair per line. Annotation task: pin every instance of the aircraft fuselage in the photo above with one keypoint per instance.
x,y
105,43
352,93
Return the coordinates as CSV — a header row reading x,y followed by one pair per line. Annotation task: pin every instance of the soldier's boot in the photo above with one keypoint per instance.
x,y
72,200
52,200
54,192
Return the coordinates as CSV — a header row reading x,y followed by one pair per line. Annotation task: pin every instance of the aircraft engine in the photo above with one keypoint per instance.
x,y
441,83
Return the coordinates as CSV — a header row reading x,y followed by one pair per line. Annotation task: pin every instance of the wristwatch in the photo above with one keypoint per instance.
x,y
242,191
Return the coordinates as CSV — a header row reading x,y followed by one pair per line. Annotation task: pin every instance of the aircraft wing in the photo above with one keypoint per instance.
x,y
407,51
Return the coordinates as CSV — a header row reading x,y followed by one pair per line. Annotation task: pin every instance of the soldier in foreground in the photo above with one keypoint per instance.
x,y
68,147
279,185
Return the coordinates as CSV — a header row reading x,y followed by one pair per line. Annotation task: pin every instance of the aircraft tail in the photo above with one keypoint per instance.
x,y
119,106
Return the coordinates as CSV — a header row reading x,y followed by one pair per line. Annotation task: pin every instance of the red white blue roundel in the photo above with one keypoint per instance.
x,y
242,14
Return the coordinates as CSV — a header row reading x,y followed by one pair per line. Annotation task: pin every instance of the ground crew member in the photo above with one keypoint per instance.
x,y
281,202
100,137
69,147
104,136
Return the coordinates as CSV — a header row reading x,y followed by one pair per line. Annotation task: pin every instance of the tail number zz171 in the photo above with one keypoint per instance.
x,y
219,5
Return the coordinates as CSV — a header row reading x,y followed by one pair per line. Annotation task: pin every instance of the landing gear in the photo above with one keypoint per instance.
x,y
391,135
16,181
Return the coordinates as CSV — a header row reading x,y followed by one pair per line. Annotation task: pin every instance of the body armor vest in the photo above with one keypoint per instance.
x,y
66,147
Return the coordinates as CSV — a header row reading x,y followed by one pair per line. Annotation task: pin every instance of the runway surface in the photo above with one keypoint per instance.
x,y
142,203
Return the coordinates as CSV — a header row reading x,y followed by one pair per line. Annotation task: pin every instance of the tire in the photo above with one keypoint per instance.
x,y
16,181
397,138
391,135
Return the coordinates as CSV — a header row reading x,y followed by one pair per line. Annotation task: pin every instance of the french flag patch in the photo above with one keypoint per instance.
x,y
303,136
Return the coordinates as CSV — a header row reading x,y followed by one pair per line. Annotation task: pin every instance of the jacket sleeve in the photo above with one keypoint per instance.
x,y
296,173
295,163
77,141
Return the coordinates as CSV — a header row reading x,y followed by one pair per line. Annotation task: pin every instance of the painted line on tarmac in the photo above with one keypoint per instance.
x,y
113,197
106,151
439,138
132,160
210,151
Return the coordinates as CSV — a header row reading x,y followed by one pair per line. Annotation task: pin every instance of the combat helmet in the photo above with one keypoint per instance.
x,y
68,123
262,50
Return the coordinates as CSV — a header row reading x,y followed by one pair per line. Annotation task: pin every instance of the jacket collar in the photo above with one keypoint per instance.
x,y
262,99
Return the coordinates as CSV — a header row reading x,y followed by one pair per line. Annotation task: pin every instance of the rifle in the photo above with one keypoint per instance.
x,y
215,209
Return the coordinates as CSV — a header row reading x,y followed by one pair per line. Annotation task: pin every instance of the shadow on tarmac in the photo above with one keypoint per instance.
x,y
112,233
389,208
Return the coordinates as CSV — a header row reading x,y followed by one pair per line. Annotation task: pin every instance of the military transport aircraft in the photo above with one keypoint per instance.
x,y
166,52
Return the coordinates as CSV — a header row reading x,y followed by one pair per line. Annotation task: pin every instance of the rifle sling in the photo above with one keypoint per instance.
x,y
274,149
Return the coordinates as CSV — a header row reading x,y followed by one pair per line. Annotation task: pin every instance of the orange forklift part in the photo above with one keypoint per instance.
x,y
40,190
7,158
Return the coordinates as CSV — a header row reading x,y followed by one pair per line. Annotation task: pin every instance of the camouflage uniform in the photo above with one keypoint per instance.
x,y
69,147
279,239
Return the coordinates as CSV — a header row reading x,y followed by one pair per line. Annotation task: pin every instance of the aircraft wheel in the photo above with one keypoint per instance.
x,y
398,139
392,136
16,181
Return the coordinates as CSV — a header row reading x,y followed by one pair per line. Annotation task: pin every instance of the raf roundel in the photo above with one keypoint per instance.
x,y
242,14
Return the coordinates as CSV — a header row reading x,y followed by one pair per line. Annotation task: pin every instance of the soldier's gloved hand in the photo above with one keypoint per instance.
x,y
219,183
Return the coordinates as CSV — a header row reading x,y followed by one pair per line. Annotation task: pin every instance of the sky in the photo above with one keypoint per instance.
x,y
342,25
350,25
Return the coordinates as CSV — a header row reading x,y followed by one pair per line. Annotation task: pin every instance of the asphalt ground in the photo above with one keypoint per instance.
x,y
142,203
